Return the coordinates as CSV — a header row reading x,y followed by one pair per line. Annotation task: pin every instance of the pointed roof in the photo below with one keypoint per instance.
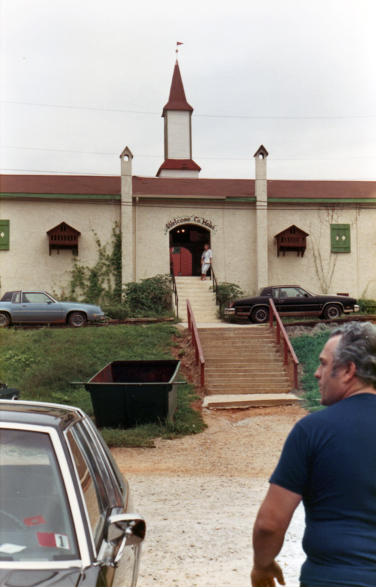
x,y
181,164
261,150
177,99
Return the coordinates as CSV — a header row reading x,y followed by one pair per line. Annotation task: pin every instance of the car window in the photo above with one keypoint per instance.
x,y
120,482
289,292
275,293
35,518
35,298
16,297
90,480
302,292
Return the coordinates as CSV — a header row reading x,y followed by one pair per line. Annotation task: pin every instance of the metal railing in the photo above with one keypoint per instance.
x,y
192,327
174,288
215,286
287,346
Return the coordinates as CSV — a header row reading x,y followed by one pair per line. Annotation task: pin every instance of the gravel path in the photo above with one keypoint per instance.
x,y
200,495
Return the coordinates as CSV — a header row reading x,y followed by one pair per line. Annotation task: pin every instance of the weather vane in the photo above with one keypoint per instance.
x,y
177,44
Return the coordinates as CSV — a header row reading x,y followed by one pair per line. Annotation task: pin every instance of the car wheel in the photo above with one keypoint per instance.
x,y
260,315
14,397
4,320
332,311
77,319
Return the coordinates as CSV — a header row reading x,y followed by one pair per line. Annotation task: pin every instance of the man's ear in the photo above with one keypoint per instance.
x,y
350,371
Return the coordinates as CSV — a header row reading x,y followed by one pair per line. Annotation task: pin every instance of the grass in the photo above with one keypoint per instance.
x,y
43,362
308,348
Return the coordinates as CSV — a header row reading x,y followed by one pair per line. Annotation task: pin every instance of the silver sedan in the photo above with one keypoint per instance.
x,y
30,306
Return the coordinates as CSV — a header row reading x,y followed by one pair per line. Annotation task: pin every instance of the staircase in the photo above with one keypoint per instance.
x,y
201,297
243,368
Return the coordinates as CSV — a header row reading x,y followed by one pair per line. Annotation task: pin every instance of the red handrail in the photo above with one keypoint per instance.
x,y
174,288
196,343
287,346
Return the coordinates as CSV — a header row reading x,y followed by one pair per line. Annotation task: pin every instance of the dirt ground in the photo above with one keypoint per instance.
x,y
200,495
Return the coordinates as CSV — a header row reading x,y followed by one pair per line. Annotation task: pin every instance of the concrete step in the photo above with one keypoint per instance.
x,y
235,362
247,345
240,371
245,377
246,390
256,356
253,383
249,400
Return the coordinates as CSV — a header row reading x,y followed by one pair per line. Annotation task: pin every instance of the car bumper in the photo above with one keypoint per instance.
x,y
349,311
97,317
229,312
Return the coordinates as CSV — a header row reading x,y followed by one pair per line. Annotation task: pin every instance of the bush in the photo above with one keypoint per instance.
x,y
116,311
149,296
367,306
226,293
308,348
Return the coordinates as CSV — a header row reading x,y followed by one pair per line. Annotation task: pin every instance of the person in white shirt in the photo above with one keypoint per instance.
x,y
206,258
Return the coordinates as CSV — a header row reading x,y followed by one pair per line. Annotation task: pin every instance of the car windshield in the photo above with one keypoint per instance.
x,y
35,519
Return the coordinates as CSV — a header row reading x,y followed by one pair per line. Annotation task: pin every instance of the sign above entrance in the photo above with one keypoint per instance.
x,y
184,219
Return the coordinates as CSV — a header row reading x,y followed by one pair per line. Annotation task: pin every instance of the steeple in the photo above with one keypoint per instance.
x,y
177,114
177,99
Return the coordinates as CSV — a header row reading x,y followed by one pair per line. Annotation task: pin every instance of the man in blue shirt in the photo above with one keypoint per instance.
x,y
329,462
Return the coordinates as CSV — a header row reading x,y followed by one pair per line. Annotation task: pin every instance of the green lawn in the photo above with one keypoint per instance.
x,y
308,348
42,363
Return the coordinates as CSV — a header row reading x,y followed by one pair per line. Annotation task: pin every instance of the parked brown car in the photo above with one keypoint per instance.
x,y
291,300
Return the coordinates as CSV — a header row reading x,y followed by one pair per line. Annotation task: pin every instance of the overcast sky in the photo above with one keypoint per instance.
x,y
82,79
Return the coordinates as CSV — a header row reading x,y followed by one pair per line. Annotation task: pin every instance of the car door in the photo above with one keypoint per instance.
x,y
16,307
102,498
290,300
40,307
296,301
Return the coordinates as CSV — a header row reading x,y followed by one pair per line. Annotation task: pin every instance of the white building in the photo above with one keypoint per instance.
x,y
176,212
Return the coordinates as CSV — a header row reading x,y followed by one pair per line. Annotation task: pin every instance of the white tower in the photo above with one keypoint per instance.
x,y
261,192
177,116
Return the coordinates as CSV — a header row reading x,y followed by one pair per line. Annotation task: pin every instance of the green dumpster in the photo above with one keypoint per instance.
x,y
127,393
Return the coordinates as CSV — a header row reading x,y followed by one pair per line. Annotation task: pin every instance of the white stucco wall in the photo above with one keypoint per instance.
x,y
178,134
320,270
191,173
233,241
27,263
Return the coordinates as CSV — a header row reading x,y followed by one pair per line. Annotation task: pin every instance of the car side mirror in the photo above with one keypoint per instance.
x,y
306,295
129,528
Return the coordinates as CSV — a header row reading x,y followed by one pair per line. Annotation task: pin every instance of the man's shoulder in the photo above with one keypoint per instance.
x,y
349,407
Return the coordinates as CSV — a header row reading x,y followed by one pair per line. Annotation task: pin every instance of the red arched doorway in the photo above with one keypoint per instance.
x,y
186,246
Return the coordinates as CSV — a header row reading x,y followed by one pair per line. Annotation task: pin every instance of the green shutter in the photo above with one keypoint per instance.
x,y
340,238
4,235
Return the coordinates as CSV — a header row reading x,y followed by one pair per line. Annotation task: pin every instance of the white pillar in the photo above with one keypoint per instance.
x,y
261,192
127,244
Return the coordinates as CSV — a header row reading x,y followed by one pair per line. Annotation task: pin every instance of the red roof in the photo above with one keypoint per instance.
x,y
179,186
177,99
179,164
59,184
296,189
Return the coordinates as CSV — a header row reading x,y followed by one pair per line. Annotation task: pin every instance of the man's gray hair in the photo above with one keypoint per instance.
x,y
357,345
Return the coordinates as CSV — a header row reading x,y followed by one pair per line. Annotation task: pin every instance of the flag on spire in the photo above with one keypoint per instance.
x,y
177,44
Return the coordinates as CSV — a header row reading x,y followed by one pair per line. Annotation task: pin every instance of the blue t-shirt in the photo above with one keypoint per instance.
x,y
330,459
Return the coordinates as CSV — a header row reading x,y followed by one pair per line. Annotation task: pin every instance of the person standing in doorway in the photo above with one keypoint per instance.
x,y
206,259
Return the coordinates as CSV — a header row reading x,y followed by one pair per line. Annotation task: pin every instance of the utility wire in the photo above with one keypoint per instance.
x,y
152,177
200,115
198,157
